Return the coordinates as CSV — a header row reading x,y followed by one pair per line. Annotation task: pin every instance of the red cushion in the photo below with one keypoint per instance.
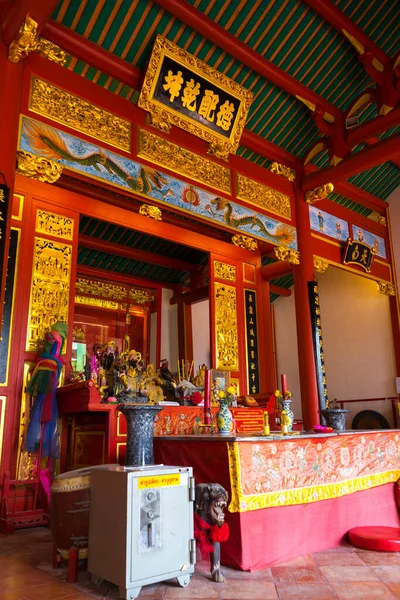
x,y
383,539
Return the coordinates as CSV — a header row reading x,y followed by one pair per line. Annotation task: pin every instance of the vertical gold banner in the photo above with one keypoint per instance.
x,y
226,331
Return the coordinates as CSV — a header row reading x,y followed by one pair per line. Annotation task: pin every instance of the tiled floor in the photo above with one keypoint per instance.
x,y
342,573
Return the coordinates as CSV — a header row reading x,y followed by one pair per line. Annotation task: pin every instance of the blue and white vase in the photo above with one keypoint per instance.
x,y
224,419
286,405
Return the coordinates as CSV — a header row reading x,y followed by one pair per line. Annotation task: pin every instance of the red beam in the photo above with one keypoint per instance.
x,y
356,163
373,127
239,50
191,297
280,291
152,258
268,149
92,54
340,21
38,10
276,269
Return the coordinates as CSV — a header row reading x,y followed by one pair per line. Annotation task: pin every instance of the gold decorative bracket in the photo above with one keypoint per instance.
x,y
283,171
150,211
319,193
287,255
386,288
160,120
27,41
320,266
218,150
37,167
381,220
244,241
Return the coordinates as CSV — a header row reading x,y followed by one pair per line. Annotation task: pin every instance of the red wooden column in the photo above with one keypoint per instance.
x,y
10,100
303,273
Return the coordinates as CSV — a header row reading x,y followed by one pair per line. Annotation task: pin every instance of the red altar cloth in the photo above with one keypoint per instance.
x,y
263,537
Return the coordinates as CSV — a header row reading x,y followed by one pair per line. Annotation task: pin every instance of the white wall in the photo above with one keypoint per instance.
x,y
357,335
201,333
286,348
169,330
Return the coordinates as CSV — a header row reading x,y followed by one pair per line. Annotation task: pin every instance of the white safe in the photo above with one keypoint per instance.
x,y
141,526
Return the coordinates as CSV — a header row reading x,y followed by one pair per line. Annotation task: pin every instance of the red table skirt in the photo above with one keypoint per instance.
x,y
268,536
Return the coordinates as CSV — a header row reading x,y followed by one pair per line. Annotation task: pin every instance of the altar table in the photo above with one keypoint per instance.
x,y
294,495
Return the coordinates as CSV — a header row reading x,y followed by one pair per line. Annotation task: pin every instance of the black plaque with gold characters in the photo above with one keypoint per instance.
x,y
359,253
253,369
4,207
8,305
315,312
181,90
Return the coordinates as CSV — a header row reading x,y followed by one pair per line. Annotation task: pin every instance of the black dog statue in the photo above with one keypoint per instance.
x,y
209,524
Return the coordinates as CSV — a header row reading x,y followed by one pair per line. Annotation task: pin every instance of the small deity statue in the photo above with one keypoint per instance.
x,y
200,377
120,379
150,385
96,361
165,373
134,368
214,393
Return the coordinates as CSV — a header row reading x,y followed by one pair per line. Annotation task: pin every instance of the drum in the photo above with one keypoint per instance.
x,y
69,511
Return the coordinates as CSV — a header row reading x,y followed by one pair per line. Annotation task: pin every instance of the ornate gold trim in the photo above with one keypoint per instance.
x,y
226,329
98,302
327,240
244,241
318,193
224,271
320,266
110,292
287,255
164,153
283,171
37,167
150,211
385,287
63,107
24,42
21,199
381,220
349,269
164,116
51,51
54,224
261,195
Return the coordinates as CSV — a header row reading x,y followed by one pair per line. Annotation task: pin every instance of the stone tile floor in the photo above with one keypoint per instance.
x,y
344,573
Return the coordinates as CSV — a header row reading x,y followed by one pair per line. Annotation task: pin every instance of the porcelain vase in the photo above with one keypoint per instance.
x,y
286,405
224,419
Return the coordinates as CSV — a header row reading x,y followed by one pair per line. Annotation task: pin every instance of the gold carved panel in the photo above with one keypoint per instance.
x,y
65,108
98,302
263,196
100,288
224,271
50,287
226,331
53,224
165,153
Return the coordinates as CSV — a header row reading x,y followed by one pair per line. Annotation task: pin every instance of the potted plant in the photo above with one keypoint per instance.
x,y
334,416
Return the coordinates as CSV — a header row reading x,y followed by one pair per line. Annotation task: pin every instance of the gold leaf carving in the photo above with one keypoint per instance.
x,y
62,107
180,160
51,51
24,42
224,271
49,290
165,117
140,296
386,288
283,171
100,288
99,302
291,256
53,224
226,327
37,167
244,241
320,265
264,196
319,193
150,211
381,220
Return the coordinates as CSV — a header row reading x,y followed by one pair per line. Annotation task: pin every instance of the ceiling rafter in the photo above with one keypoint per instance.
x,y
38,10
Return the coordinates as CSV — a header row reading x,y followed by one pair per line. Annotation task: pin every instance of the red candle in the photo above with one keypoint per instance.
x,y
284,385
207,415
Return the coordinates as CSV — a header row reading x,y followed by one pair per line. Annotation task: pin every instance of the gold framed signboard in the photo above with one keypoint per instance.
x,y
181,90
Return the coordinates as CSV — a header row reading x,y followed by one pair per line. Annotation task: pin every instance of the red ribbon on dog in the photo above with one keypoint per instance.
x,y
207,534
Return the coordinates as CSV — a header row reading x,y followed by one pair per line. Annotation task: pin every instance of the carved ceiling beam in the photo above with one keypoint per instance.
x,y
191,297
38,10
275,270
216,34
104,274
92,54
373,127
101,245
376,63
279,291
356,163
